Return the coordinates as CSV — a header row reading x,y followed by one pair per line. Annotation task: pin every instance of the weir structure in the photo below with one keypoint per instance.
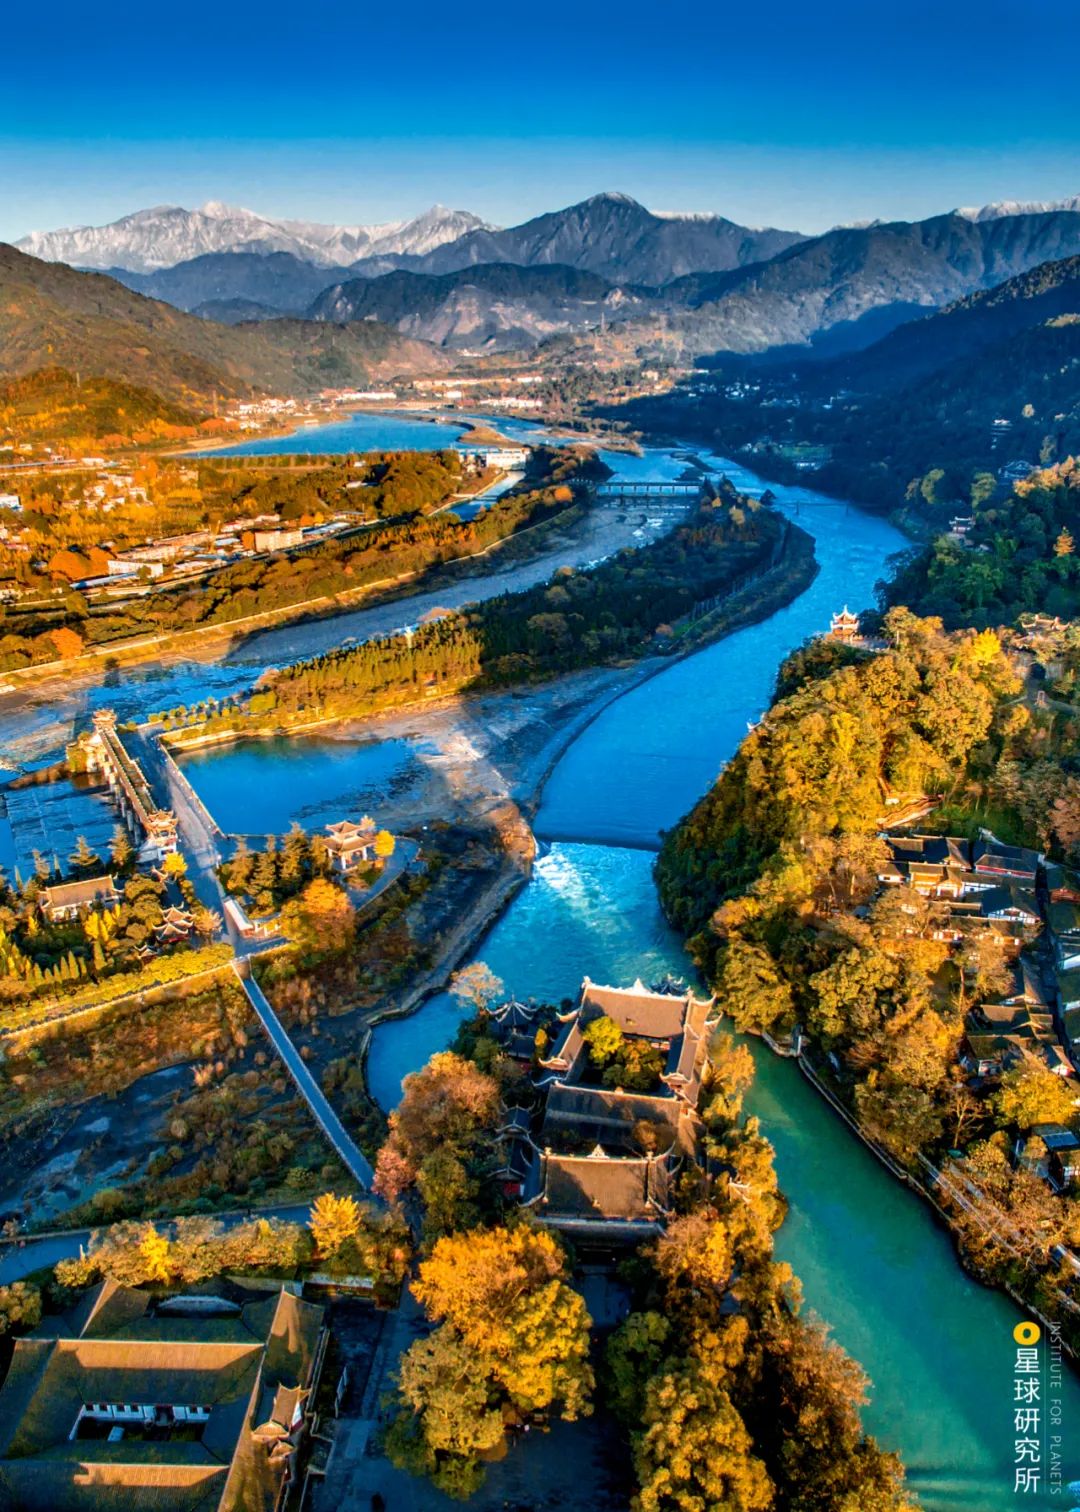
x,y
648,488
153,827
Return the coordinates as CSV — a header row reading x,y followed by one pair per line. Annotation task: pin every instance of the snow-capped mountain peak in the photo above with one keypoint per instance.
x,y
161,237
1002,208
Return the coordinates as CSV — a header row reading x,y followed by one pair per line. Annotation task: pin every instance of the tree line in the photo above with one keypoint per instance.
x,y
583,617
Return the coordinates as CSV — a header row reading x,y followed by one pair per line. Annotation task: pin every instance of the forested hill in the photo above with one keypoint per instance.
x,y
776,878
89,324
53,404
919,416
959,332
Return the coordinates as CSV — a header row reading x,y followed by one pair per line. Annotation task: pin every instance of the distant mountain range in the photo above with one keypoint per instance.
x,y
1047,298
496,306
1020,207
607,272
169,234
610,234
849,287
685,284
990,380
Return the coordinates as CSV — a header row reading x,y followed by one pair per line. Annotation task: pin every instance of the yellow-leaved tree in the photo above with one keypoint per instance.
x,y
334,1221
155,1252
513,1340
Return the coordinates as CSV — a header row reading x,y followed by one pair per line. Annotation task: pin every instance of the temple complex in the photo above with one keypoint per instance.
x,y
598,1160
195,1402
844,626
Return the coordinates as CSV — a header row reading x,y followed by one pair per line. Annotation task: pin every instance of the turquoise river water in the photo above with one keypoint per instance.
x,y
873,1262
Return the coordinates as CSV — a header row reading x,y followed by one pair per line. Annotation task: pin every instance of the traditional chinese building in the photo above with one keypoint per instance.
x,y
104,752
176,925
351,842
844,626
69,899
602,1158
514,1025
195,1403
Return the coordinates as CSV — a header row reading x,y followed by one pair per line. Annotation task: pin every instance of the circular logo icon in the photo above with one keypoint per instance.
x,y
1027,1333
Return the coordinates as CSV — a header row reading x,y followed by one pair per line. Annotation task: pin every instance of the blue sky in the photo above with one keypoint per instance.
x,y
798,115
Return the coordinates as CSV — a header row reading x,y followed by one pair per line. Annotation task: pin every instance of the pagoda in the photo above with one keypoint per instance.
x,y
844,626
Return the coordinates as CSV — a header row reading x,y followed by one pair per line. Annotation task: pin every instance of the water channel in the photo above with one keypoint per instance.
x,y
873,1263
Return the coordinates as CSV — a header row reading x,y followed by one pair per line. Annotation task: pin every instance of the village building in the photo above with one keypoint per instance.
x,y
1063,925
350,842
67,900
282,539
985,886
991,858
1056,1158
1062,883
945,866
999,1036
508,458
190,1403
246,927
603,1159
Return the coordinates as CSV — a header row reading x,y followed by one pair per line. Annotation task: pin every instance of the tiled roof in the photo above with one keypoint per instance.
x,y
599,1186
78,894
1010,895
636,1010
111,1347
34,1485
605,1116
515,1015
991,855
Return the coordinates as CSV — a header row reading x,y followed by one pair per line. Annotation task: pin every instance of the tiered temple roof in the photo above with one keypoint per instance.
x,y
845,625
351,840
598,1196
618,1190
514,1026
678,1023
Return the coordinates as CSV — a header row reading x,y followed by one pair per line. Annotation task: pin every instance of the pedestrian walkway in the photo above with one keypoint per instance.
x,y
328,1121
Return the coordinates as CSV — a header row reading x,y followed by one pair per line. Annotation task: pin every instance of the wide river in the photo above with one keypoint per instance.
x,y
872,1261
